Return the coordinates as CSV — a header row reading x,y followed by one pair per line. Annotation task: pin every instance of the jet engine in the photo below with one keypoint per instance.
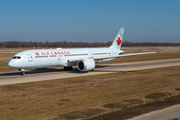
x,y
86,65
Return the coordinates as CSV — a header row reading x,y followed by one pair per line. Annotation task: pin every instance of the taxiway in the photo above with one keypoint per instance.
x,y
49,74
170,113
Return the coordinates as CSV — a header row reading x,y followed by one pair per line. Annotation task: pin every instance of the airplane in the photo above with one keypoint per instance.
x,y
84,58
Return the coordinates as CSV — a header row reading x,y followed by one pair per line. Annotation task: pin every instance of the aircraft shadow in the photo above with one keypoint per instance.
x,y
101,66
36,71
51,70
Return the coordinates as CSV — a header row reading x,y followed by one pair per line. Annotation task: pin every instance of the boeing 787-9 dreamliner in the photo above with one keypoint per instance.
x,y
84,58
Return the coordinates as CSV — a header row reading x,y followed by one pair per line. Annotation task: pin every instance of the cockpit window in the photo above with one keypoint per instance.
x,y
16,57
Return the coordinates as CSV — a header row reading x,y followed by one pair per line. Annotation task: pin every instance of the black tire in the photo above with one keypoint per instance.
x,y
69,68
23,73
65,68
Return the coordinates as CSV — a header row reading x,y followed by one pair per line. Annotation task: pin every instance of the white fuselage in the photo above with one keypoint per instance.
x,y
42,58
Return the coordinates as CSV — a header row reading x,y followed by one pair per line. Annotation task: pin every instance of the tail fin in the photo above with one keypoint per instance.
x,y
118,39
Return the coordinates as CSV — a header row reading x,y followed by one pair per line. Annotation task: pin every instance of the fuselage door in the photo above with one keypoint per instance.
x,y
30,57
59,57
112,53
91,54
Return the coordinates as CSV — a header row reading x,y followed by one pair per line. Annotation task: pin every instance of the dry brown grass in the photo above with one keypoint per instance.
x,y
7,54
55,98
5,68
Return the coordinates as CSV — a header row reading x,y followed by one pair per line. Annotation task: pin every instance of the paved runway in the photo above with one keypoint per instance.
x,y
45,74
170,113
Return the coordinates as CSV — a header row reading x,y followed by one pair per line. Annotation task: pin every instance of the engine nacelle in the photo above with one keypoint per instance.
x,y
86,65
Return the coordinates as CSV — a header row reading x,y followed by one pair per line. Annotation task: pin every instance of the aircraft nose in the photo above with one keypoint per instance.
x,y
11,64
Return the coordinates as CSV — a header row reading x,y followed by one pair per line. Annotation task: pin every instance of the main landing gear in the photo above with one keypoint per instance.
x,y
68,68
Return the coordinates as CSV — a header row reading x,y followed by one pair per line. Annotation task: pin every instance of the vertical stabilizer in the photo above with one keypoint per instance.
x,y
118,39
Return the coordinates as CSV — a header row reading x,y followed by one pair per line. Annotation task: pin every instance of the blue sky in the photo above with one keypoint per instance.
x,y
90,20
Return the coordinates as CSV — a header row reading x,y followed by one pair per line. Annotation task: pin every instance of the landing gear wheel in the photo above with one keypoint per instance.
x,y
92,70
22,73
69,68
65,68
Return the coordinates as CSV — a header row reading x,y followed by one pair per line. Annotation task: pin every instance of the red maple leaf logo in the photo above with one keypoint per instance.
x,y
37,53
118,41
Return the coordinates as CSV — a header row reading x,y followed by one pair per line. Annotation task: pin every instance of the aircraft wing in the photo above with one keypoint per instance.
x,y
106,57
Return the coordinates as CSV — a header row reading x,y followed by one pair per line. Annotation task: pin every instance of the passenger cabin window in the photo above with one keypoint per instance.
x,y
16,57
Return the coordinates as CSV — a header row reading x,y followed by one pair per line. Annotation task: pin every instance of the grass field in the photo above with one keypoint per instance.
x,y
7,54
5,68
83,97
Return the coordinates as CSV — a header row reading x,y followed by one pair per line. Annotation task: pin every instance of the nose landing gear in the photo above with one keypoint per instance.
x,y
22,71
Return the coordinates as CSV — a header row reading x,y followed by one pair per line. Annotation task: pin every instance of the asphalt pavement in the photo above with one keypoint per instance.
x,y
47,74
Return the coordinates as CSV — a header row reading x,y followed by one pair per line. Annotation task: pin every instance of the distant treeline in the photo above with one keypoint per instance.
x,y
15,44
